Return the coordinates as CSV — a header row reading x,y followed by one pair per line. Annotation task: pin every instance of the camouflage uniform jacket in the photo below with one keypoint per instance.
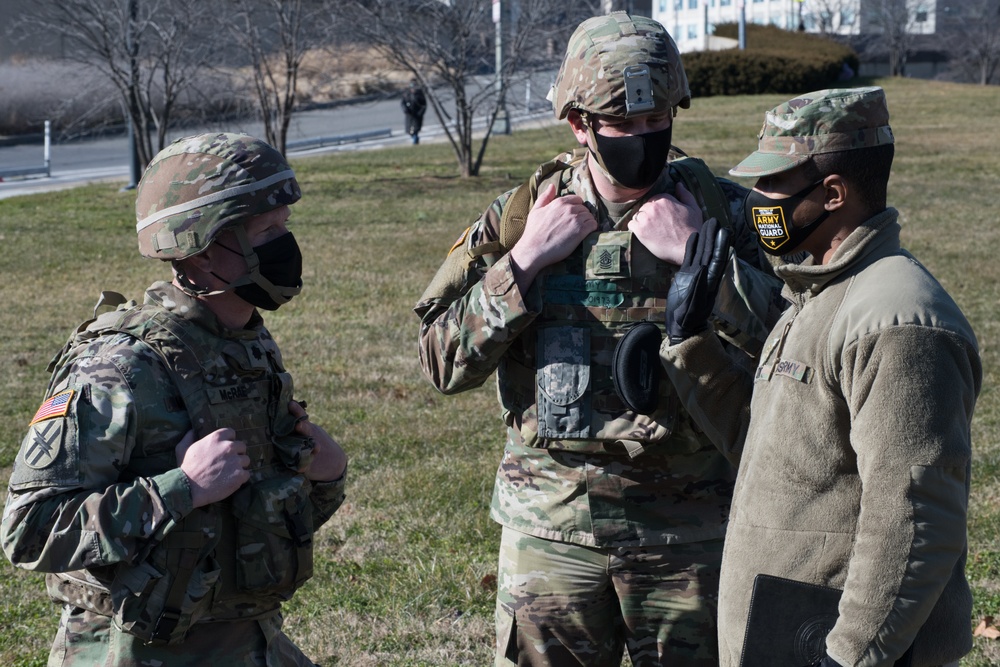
x,y
97,499
585,489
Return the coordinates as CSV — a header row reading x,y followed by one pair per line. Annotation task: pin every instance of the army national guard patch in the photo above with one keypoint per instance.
x,y
45,434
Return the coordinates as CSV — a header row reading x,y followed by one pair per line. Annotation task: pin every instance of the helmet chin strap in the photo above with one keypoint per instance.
x,y
189,287
280,294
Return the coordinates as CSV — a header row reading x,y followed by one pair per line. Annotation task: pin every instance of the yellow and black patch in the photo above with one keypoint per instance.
x,y
769,221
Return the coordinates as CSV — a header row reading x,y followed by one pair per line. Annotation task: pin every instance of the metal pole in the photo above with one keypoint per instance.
x,y
704,24
48,148
133,151
743,26
133,148
502,123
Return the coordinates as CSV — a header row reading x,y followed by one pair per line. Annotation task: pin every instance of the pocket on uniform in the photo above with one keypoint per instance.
x,y
563,383
274,536
160,598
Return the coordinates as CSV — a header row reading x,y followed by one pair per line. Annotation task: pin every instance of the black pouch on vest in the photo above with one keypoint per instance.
x,y
635,368
562,381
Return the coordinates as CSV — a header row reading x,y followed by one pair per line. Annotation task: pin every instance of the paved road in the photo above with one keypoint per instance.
x,y
78,162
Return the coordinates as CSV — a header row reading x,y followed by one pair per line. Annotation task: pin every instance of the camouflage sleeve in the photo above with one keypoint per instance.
x,y
473,309
749,300
70,506
744,238
326,499
714,388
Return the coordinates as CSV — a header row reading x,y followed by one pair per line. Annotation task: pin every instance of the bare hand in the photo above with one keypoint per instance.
x,y
328,460
664,223
555,227
215,466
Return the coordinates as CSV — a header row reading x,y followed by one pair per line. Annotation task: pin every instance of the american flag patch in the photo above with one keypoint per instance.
x,y
54,406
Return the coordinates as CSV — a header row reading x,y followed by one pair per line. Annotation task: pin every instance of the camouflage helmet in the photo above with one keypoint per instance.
x,y
825,121
199,185
620,65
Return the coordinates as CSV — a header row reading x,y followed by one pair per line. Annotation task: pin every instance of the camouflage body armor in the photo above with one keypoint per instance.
x,y
236,559
609,284
562,383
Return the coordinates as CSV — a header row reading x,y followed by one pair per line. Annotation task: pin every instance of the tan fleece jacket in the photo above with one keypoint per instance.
x,y
855,451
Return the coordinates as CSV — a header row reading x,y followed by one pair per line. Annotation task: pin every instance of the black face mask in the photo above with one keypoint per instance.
x,y
772,220
278,276
634,161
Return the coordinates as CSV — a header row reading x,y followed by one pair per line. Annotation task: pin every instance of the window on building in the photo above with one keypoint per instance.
x,y
847,17
692,4
921,16
678,4
692,32
757,1
725,3
663,6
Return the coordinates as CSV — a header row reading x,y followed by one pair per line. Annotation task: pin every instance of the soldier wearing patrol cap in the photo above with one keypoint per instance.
x,y
854,430
170,484
613,505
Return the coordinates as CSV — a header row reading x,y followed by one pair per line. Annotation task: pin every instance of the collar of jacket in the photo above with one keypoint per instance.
x,y
873,239
186,307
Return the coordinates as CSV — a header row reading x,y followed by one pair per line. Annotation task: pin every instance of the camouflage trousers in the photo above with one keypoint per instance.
x,y
86,639
561,604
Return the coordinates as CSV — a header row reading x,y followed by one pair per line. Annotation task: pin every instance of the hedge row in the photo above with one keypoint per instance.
x,y
774,61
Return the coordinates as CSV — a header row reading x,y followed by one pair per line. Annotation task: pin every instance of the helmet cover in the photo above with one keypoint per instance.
x,y
620,65
199,185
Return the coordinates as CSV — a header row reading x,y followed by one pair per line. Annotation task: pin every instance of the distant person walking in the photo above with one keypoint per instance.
x,y
414,105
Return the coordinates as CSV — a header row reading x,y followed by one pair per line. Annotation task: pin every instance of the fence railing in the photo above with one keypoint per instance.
x,y
319,142
45,169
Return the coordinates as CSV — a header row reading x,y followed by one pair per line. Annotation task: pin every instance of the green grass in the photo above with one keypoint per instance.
x,y
404,572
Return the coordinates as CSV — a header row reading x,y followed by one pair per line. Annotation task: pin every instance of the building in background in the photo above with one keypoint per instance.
x,y
931,31
691,22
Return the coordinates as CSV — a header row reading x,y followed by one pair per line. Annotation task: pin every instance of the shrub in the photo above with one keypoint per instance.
x,y
774,61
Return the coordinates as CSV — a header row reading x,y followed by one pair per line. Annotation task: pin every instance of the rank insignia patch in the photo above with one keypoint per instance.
x,y
54,406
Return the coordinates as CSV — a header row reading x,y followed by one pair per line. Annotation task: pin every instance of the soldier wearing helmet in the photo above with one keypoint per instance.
x,y
170,483
613,505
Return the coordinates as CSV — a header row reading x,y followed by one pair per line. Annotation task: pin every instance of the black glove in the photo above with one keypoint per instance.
x,y
827,661
692,292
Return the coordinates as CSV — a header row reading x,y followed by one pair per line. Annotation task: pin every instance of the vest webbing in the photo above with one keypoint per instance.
x,y
692,171
187,374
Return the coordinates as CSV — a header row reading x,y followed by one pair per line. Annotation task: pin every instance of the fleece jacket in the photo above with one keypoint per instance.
x,y
853,444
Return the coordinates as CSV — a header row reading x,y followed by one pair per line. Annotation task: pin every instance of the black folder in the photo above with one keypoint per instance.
x,y
788,622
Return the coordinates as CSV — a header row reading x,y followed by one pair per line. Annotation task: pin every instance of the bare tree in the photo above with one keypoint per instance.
x,y
149,50
979,45
446,46
898,22
276,35
828,16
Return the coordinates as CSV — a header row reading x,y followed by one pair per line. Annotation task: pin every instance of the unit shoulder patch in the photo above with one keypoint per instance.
x,y
42,444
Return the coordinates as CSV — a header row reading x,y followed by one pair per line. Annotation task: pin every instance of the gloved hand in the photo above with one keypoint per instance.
x,y
693,290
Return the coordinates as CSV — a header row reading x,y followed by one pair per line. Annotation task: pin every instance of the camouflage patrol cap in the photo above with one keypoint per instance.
x,y
826,121
620,65
199,185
